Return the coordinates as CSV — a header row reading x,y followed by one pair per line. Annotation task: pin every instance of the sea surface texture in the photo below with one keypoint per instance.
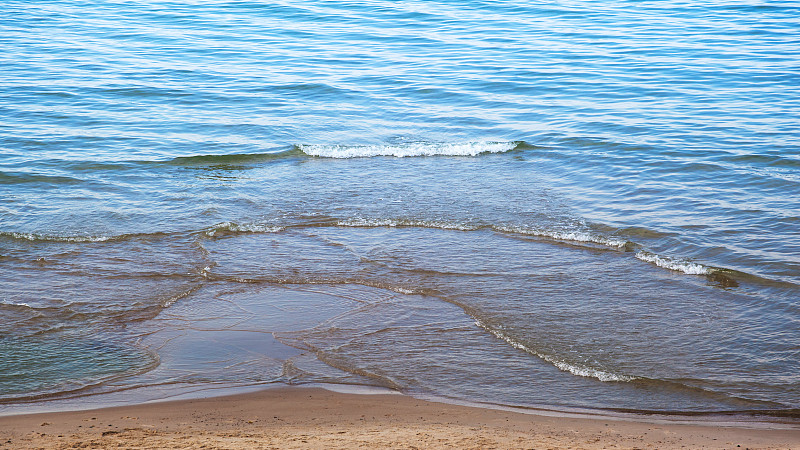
x,y
575,204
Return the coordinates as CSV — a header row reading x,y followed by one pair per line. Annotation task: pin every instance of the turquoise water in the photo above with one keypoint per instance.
x,y
565,204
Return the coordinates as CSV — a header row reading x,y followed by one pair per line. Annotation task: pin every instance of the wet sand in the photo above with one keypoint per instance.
x,y
317,418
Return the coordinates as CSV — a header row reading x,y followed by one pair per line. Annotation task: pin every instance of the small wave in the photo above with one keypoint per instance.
x,y
169,301
224,228
567,235
232,159
678,265
17,304
714,274
17,178
561,235
400,223
408,149
47,237
55,237
560,364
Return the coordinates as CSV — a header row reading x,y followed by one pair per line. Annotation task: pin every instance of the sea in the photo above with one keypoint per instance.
x,y
567,205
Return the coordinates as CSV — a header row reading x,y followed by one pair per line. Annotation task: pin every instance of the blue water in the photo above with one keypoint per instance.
x,y
572,204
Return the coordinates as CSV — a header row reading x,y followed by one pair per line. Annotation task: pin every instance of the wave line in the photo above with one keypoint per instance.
x,y
560,364
408,150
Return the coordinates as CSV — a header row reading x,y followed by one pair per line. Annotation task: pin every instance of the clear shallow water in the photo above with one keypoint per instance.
x,y
575,205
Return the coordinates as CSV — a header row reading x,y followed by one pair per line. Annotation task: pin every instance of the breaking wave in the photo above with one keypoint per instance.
x,y
578,236
6,302
560,364
678,265
78,238
408,149
560,235
567,235
55,237
359,222
224,228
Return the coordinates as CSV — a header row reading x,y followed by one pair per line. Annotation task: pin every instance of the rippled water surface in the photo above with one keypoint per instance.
x,y
572,204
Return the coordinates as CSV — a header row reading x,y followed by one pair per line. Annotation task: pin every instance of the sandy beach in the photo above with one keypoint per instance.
x,y
317,418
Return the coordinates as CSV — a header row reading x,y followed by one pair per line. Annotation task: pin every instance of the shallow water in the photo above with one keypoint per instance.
x,y
572,205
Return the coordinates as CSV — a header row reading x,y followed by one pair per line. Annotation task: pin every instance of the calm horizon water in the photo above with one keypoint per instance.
x,y
541,204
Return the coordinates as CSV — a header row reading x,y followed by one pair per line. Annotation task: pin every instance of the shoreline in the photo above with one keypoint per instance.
x,y
145,395
310,417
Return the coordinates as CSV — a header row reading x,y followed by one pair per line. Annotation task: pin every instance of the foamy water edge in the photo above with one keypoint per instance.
x,y
560,364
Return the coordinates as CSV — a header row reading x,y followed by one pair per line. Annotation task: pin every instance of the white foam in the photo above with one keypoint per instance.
x,y
10,303
405,291
580,371
407,150
359,222
563,235
242,228
677,265
171,301
205,271
56,238
575,236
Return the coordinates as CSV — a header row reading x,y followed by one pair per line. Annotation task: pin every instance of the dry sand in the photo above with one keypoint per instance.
x,y
317,418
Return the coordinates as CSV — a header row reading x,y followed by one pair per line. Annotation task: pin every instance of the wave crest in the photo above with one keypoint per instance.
x,y
678,265
407,149
359,222
55,238
560,235
224,228
567,235
560,364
